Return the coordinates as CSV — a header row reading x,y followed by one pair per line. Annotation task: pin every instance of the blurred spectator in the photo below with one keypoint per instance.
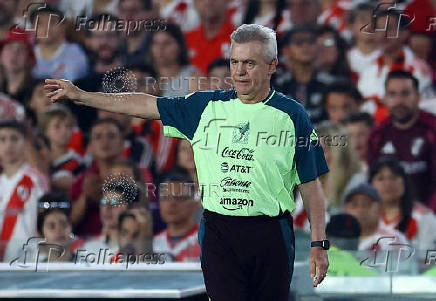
x,y
408,135
211,39
20,186
112,204
17,60
136,45
39,103
170,58
334,13
177,206
398,207
75,8
298,76
394,56
55,57
152,130
106,146
57,123
333,48
42,152
8,9
185,158
10,108
180,12
421,45
343,231
340,99
363,202
270,13
219,74
135,232
136,148
365,48
342,162
304,12
358,127
104,47
54,225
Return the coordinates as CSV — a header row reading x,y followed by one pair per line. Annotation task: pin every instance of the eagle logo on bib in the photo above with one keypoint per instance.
x,y
240,133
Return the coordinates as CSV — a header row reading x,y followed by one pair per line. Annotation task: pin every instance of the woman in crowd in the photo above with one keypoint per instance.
x,y
169,54
399,209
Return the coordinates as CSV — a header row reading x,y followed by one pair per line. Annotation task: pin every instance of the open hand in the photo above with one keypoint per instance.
x,y
56,89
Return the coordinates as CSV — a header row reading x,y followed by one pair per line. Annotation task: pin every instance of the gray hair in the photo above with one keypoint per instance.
x,y
255,32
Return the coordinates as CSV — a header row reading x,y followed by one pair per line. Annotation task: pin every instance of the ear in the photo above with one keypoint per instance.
x,y
273,66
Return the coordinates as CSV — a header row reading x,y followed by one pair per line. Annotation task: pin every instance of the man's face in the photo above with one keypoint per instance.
x,y
366,210
301,48
106,141
15,57
176,202
339,105
250,73
391,39
359,134
12,146
105,44
211,10
401,99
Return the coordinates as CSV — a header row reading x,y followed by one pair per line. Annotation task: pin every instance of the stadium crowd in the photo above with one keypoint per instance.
x,y
91,180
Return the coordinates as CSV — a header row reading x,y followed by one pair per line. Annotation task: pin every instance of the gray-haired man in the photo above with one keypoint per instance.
x,y
252,147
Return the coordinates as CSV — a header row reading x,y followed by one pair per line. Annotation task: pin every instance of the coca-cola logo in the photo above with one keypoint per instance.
x,y
243,153
227,182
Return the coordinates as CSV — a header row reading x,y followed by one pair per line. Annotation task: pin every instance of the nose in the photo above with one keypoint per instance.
x,y
240,69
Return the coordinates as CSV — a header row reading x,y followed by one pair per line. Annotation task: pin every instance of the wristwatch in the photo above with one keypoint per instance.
x,y
325,244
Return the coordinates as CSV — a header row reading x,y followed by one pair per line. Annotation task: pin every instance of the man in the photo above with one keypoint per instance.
x,y
177,207
408,135
106,146
246,235
298,77
21,185
394,56
341,99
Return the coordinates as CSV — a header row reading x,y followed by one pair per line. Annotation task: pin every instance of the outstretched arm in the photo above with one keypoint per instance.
x,y
134,104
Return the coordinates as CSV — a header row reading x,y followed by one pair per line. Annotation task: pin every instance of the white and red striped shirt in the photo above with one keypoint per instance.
x,y
18,208
383,239
186,248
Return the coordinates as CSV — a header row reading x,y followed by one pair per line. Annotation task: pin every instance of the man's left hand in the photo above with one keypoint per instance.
x,y
318,264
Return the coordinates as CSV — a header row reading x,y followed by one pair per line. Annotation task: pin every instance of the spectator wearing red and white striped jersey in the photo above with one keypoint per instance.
x,y
365,49
21,186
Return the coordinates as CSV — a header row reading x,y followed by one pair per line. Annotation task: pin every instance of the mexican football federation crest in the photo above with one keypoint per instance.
x,y
240,133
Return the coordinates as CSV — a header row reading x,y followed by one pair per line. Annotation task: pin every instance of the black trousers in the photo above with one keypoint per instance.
x,y
247,258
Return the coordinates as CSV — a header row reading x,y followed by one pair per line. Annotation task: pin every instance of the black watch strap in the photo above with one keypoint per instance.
x,y
325,244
